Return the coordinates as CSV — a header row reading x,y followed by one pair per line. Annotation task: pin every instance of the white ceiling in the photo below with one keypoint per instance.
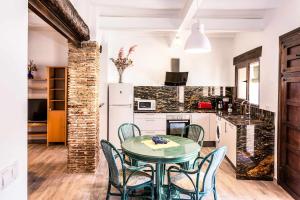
x,y
174,16
217,15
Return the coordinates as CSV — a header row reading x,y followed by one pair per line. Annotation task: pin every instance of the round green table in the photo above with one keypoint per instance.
x,y
185,150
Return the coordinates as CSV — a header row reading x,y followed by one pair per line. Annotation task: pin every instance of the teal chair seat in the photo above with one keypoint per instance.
x,y
198,181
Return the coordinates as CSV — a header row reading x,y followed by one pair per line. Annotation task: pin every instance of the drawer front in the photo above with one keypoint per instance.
x,y
149,115
159,132
151,124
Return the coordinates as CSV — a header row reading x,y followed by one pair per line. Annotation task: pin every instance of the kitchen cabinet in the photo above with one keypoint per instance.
x,y
151,123
203,120
228,133
212,127
231,142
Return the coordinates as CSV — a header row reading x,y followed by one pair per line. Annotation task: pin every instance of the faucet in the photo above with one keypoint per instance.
x,y
245,108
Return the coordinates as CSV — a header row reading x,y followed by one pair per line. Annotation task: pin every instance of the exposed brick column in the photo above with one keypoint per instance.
x,y
83,107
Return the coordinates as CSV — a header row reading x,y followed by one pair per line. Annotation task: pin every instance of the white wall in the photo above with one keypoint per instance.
x,y
152,60
13,87
47,48
103,90
280,21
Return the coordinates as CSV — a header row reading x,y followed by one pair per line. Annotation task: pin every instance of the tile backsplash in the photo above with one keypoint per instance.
x,y
167,98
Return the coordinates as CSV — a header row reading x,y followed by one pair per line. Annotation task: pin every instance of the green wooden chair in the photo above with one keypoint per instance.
x,y
126,179
201,180
126,131
195,133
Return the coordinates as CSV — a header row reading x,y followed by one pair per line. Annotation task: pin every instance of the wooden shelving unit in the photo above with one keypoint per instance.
x,y
37,132
37,88
57,104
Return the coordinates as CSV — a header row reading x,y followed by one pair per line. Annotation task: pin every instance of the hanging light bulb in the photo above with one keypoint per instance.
x,y
197,42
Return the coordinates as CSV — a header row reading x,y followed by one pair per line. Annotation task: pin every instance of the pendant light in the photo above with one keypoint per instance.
x,y
197,42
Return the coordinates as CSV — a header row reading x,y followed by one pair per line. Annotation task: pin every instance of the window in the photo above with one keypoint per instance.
x,y
247,76
242,83
254,83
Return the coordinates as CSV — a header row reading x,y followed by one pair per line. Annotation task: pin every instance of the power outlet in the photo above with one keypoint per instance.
x,y
8,175
1,183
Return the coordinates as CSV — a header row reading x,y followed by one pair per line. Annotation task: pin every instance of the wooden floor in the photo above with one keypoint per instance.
x,y
48,179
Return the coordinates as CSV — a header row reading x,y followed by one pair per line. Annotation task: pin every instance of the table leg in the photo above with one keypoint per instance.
x,y
159,181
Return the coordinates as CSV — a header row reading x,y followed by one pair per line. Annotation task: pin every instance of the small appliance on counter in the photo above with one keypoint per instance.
x,y
226,101
145,104
204,105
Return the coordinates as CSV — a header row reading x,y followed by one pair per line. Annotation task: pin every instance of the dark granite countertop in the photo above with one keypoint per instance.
x,y
237,119
234,118
179,110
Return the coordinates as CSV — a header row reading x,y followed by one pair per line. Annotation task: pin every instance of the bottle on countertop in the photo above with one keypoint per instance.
x,y
230,108
220,105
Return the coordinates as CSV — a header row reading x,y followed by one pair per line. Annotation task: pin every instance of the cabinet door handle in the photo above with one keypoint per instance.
x,y
225,127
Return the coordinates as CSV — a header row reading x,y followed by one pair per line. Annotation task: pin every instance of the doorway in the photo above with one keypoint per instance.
x,y
289,113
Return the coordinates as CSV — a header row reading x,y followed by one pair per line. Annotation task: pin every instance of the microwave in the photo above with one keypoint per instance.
x,y
145,104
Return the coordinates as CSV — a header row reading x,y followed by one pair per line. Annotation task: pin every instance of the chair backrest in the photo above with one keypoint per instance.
x,y
212,161
128,130
194,132
111,154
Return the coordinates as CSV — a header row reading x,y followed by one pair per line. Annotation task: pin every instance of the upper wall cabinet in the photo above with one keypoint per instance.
x,y
247,68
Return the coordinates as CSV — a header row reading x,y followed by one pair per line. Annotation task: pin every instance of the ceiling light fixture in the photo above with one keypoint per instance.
x,y
197,42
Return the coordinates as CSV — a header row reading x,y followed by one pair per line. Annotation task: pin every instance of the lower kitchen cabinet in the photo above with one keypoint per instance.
x,y
155,123
151,123
228,134
212,127
203,120
231,142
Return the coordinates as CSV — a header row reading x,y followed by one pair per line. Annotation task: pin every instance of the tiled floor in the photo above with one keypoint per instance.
x,y
48,179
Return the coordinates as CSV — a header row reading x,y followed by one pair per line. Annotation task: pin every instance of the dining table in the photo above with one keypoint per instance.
x,y
177,150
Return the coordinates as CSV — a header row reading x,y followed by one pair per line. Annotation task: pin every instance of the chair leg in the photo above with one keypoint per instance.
x,y
123,197
108,191
215,194
169,192
152,192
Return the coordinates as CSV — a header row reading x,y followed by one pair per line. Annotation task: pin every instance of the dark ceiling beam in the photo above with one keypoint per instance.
x,y
63,17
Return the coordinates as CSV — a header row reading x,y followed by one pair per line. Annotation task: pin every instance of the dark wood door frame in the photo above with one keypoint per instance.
x,y
287,75
63,17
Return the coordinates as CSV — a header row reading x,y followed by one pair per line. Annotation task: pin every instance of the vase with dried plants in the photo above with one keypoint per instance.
x,y
31,68
122,62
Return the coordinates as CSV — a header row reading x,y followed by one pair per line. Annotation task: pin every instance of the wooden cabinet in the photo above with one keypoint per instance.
x,y
202,119
56,126
57,104
151,123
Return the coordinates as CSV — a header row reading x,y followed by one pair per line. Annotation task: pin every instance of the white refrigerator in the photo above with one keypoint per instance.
x,y
120,96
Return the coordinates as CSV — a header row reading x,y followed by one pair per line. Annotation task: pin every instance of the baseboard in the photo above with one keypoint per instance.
x,y
232,165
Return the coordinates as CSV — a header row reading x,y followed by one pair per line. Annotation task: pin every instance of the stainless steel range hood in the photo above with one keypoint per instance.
x,y
175,77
